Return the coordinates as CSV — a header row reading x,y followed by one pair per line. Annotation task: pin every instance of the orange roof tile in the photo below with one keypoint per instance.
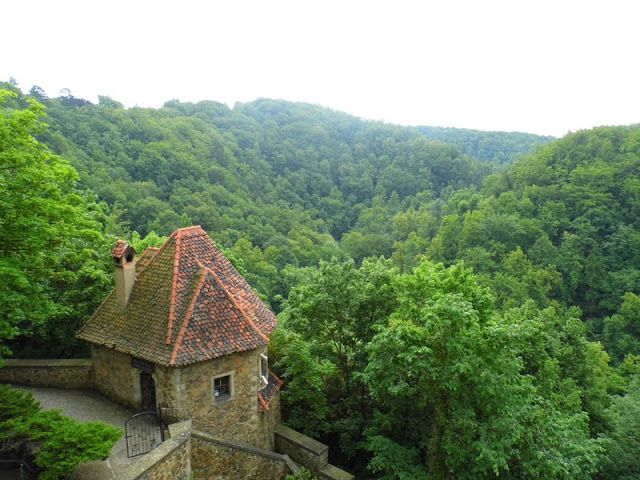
x,y
119,249
189,304
268,392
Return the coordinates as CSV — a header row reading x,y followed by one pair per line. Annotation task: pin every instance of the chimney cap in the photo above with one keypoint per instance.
x,y
122,250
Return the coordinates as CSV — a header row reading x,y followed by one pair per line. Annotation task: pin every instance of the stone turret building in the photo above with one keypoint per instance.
x,y
184,334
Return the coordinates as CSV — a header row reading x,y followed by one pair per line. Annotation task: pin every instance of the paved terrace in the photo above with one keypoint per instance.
x,y
87,406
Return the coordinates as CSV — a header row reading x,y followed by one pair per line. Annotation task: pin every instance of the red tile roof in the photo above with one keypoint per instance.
x,y
268,392
119,249
189,304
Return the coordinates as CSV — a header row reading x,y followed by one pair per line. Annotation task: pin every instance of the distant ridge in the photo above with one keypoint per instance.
x,y
488,146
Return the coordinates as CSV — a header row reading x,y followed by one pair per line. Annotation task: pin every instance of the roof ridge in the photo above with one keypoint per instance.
x,y
189,305
174,287
182,230
235,304
187,316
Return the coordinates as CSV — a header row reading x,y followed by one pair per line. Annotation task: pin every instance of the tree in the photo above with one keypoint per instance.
x,y
38,93
621,335
337,309
54,443
439,385
49,230
623,447
305,405
453,400
152,239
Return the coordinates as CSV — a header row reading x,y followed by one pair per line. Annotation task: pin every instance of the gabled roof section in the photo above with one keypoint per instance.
x,y
119,249
188,305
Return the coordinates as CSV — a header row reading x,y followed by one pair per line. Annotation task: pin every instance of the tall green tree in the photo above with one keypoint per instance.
x,y
49,230
621,335
623,444
453,396
337,309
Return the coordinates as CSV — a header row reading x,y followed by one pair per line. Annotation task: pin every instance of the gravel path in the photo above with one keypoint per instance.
x,y
85,407
81,405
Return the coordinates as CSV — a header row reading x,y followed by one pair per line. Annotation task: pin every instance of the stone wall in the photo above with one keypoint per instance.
x,y
193,455
236,419
167,382
115,376
308,452
329,472
120,381
74,374
302,449
170,461
185,392
269,420
213,459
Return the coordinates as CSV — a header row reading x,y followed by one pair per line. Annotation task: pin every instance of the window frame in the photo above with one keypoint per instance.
x,y
263,369
218,399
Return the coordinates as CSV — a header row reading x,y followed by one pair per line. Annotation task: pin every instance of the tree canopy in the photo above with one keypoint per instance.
x,y
50,231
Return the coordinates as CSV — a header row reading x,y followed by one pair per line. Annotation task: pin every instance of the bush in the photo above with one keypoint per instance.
x,y
302,474
55,443
16,403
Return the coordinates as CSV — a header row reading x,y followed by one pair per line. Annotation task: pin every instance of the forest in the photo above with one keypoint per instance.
x,y
452,303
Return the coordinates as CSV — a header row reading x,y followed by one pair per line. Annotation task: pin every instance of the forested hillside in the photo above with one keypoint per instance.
x,y
563,224
300,182
499,147
318,168
441,316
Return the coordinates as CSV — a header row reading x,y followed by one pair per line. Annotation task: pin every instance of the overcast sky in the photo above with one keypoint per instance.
x,y
539,66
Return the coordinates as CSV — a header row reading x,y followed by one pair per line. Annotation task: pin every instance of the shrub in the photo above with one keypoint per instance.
x,y
55,443
302,474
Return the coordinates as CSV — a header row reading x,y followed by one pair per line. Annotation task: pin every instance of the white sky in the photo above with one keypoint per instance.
x,y
538,66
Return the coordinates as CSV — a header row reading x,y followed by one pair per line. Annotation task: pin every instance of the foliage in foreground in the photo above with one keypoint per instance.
x,y
456,385
54,443
51,241
623,447
428,379
302,474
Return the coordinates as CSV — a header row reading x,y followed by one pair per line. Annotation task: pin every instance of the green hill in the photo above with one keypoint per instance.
x,y
498,147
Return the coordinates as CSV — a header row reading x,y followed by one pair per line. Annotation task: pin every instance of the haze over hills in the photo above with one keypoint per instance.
x,y
500,147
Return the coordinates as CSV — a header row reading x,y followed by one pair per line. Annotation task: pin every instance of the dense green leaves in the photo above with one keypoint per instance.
x,y
334,312
623,448
499,147
450,387
305,402
559,225
621,335
50,232
454,386
55,443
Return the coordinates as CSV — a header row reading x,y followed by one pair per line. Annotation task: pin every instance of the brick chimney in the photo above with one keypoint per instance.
x,y
125,265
